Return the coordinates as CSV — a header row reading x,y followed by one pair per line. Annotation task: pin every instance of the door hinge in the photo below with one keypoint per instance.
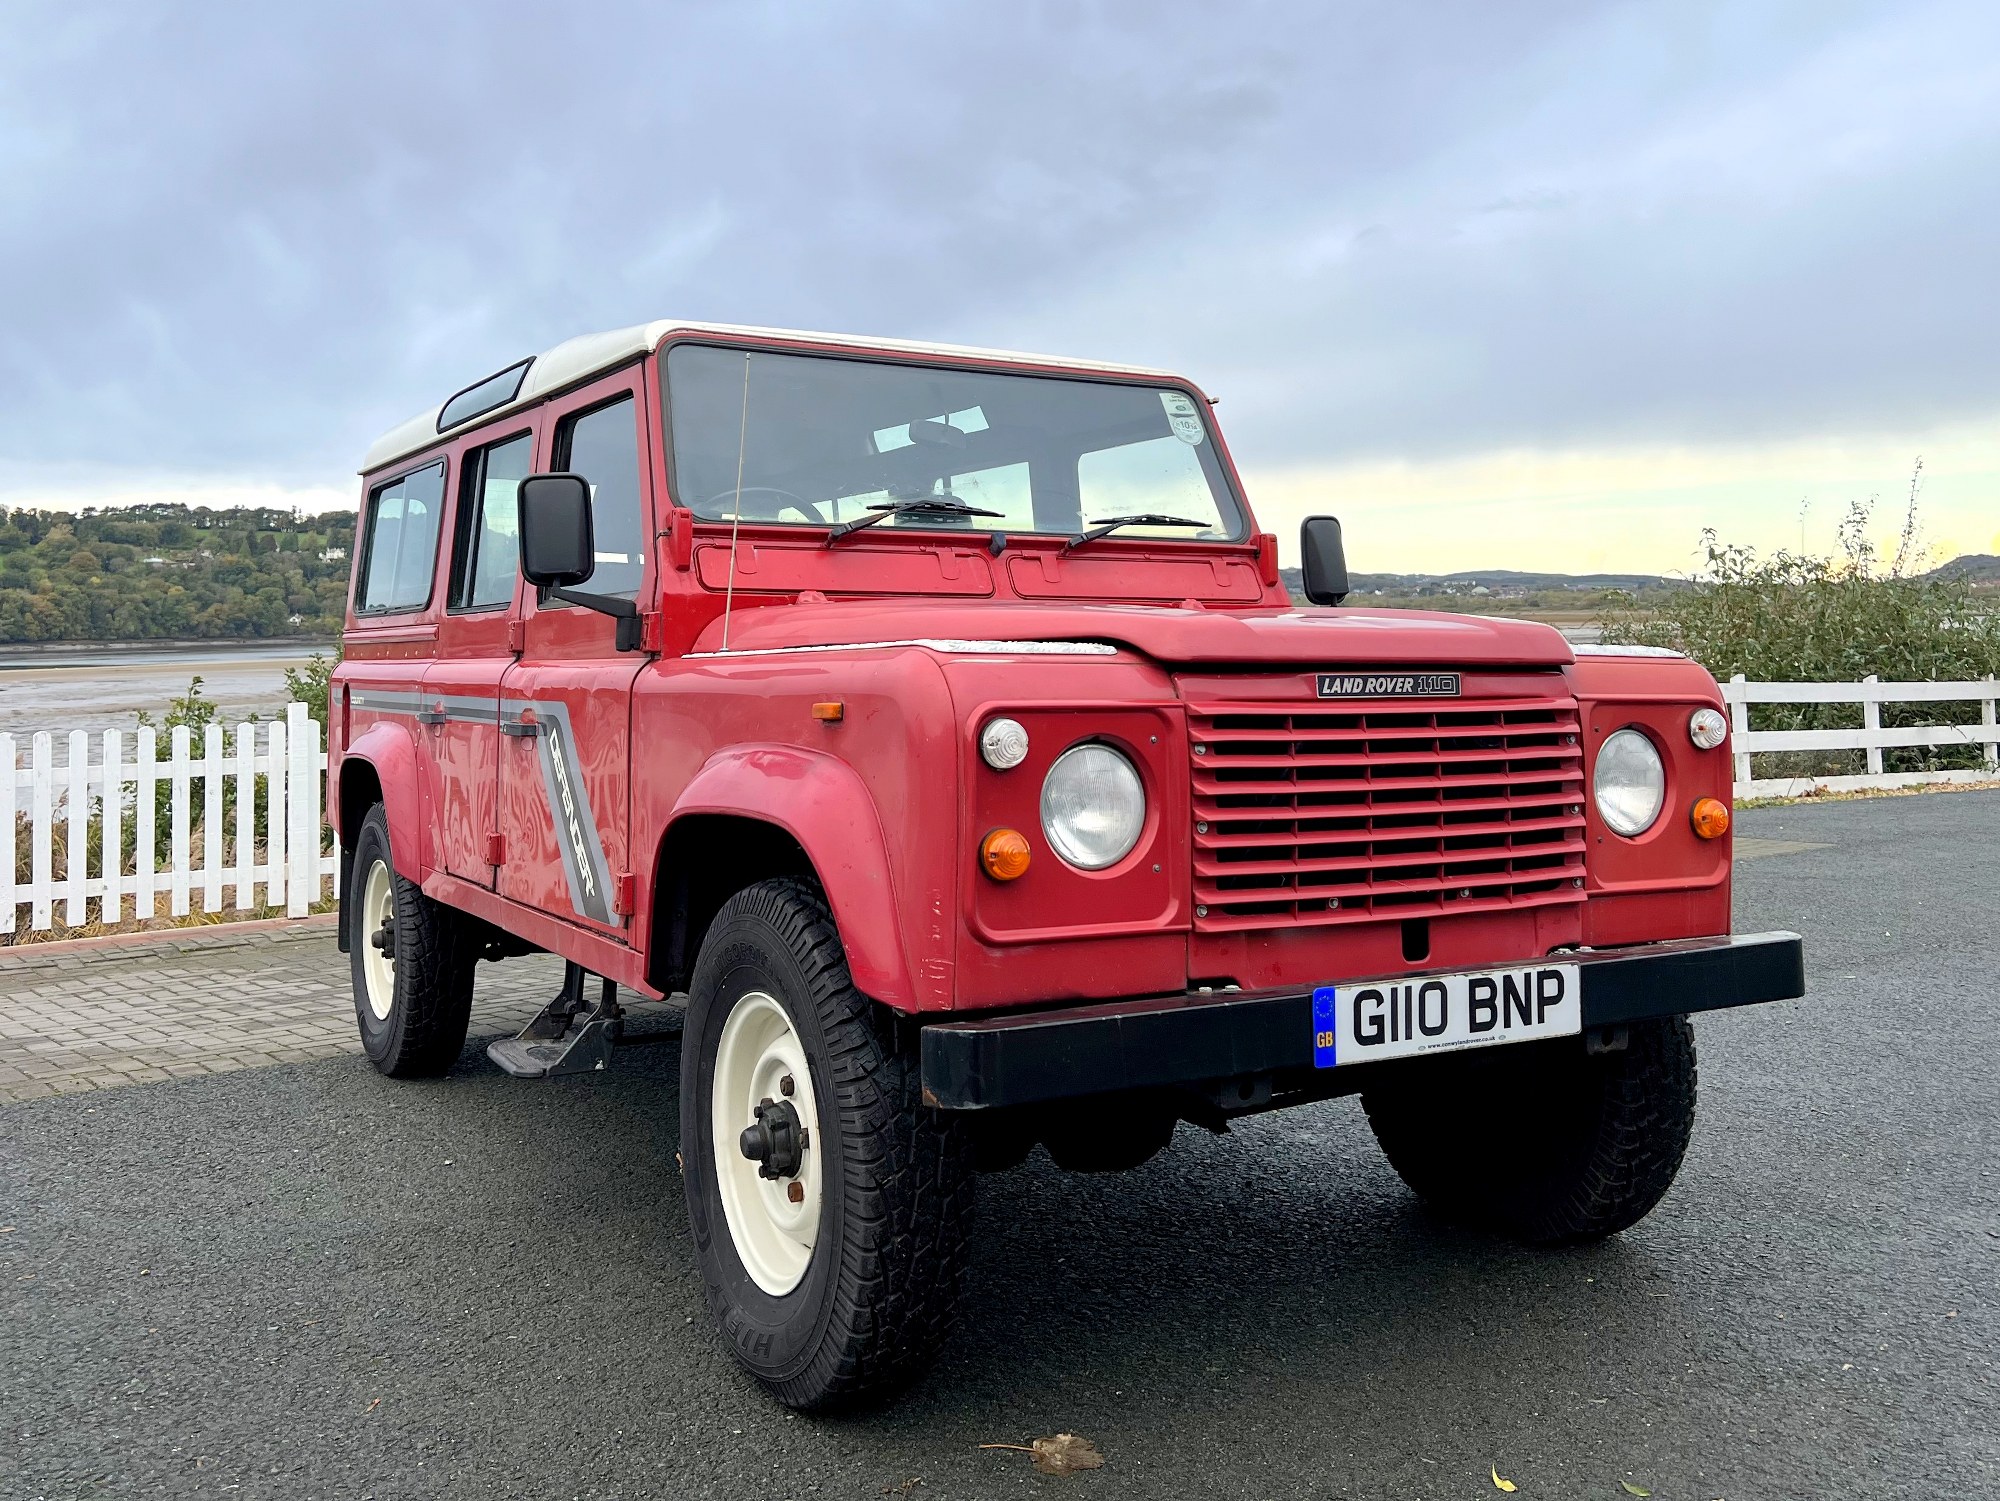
x,y
624,893
517,636
652,631
496,849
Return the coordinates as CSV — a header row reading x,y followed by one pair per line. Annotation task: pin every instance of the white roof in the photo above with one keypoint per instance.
x,y
577,359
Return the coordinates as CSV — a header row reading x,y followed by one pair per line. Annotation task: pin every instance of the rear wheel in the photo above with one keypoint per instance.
x,y
1545,1142
412,963
830,1207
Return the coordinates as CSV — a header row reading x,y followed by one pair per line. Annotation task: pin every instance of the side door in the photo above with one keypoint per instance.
x,y
460,711
566,702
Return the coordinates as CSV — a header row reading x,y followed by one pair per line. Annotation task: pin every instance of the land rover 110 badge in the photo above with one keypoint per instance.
x,y
1388,685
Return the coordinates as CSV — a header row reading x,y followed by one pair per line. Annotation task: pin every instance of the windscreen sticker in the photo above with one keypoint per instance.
x,y
1182,416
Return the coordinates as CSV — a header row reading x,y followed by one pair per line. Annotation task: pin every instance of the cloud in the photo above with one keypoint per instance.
x,y
242,239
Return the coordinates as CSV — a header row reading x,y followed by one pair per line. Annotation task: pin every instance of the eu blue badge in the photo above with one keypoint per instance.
x,y
1325,1053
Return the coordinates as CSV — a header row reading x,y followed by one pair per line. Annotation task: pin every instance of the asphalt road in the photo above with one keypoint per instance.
x,y
306,1281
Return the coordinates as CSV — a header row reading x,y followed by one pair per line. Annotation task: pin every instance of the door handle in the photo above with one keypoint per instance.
x,y
523,729
431,717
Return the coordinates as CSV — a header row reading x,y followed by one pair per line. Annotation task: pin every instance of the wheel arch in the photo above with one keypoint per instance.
x,y
381,767
756,812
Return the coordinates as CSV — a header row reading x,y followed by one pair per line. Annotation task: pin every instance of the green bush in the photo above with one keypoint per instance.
x,y
1794,617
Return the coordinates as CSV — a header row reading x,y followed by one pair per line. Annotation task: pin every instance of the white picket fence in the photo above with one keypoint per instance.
x,y
1872,737
119,789
294,863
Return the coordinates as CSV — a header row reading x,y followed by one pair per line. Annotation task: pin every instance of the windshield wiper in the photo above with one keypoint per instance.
x,y
934,505
1110,524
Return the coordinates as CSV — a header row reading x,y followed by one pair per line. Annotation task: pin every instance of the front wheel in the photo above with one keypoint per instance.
x,y
412,961
1546,1142
830,1207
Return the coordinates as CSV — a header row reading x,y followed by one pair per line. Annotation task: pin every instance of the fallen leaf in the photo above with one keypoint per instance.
x,y
903,1488
373,1405
1634,1490
1064,1454
1498,1483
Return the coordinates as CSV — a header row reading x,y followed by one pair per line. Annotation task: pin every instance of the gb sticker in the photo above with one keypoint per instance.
x,y
1181,416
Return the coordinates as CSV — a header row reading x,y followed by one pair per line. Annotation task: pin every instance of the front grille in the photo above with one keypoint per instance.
x,y
1380,809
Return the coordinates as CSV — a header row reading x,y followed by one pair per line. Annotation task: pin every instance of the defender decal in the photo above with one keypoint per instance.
x,y
1388,685
585,869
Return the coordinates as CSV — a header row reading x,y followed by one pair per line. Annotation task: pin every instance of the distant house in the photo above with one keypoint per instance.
x,y
332,554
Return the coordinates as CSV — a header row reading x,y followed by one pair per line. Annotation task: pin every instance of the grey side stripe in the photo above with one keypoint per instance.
x,y
454,706
585,868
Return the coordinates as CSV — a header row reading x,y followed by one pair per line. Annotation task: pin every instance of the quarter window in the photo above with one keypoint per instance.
x,y
401,550
603,446
487,551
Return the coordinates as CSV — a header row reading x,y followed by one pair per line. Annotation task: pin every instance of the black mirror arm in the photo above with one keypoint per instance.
x,y
624,611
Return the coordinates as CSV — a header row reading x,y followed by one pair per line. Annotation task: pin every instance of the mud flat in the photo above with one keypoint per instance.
x,y
86,686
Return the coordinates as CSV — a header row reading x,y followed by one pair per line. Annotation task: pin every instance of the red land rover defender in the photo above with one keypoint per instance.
x,y
936,720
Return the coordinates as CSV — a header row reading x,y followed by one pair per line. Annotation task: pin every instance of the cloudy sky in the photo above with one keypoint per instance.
x,y
1531,285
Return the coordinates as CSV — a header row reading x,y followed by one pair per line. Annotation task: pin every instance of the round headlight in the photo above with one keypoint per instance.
x,y
1093,806
1003,743
1630,782
1707,728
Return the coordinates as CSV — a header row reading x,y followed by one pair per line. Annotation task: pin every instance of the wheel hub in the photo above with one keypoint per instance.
x,y
775,1141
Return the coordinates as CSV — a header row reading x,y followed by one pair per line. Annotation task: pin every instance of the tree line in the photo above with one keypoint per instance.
x,y
163,571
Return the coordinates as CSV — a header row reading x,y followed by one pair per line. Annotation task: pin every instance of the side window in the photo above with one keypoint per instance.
x,y
400,552
486,552
603,446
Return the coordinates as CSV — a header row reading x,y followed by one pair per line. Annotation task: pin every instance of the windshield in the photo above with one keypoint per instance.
x,y
825,440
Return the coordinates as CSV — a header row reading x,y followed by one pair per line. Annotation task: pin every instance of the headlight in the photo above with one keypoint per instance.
x,y
1706,728
1093,806
1630,782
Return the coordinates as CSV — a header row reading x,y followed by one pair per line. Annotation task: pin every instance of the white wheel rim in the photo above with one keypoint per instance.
x,y
378,970
773,1235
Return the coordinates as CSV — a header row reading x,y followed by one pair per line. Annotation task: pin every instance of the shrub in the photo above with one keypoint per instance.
x,y
1794,617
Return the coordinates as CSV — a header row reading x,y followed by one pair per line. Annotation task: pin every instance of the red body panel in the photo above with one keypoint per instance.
x,y
911,634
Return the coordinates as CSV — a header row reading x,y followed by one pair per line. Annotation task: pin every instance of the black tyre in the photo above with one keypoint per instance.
x,y
1545,1142
833,1258
412,960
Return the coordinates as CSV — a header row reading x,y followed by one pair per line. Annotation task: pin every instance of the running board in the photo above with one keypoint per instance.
x,y
565,1037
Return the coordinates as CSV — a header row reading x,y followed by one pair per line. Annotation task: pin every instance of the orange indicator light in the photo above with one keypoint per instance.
x,y
1003,854
831,713
1710,818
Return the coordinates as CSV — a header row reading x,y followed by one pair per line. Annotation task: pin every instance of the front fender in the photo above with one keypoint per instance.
x,y
387,750
823,804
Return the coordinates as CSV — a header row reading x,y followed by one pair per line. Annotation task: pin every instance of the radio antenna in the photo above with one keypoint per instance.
x,y
736,510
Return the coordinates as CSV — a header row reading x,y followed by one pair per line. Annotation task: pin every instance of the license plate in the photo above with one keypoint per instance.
x,y
1379,1019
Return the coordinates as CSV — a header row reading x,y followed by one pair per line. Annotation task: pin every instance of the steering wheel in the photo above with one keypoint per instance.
x,y
725,501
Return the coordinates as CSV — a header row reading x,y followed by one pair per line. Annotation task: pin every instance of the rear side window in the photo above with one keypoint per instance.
x,y
486,553
603,446
400,552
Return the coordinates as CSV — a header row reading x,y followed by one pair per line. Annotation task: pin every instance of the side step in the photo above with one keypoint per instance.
x,y
566,1037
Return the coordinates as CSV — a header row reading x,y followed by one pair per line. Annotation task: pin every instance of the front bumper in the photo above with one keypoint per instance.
x,y
1195,1039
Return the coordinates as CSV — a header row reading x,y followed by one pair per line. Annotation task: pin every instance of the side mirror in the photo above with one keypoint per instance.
x,y
558,548
1324,560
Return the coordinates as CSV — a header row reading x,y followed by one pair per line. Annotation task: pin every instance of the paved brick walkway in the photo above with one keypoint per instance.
x,y
204,1001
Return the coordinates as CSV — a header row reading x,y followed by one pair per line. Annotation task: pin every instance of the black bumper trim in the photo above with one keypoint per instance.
x,y
1030,1057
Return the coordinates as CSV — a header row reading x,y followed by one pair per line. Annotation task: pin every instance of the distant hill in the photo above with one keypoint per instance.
x,y
1546,590
1979,567
1492,583
171,572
